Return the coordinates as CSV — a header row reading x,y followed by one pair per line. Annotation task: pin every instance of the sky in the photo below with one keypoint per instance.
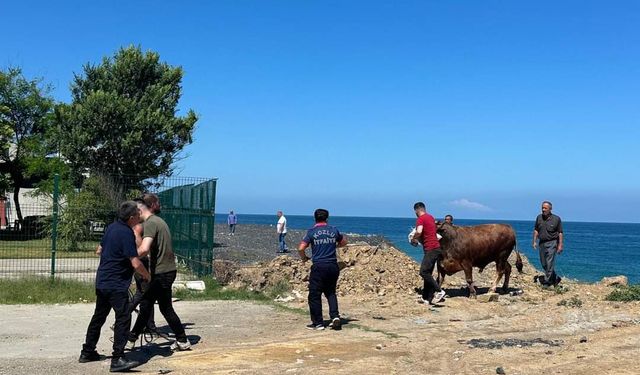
x,y
479,109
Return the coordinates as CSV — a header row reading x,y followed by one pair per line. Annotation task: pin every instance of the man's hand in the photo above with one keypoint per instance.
x,y
534,245
304,258
414,242
560,247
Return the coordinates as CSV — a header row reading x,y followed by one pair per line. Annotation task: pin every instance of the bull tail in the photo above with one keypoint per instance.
x,y
519,263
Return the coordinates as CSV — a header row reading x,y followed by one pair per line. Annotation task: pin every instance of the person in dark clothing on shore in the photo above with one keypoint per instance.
x,y
118,260
548,237
323,278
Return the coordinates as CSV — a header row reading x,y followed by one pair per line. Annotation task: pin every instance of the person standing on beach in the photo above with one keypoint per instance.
x,y
425,233
323,239
232,220
281,229
448,219
156,241
548,237
118,260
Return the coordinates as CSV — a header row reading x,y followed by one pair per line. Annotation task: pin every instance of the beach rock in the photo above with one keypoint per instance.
x,y
620,280
500,371
583,339
489,297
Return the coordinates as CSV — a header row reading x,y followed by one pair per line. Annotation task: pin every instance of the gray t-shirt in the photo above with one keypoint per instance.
x,y
163,259
548,229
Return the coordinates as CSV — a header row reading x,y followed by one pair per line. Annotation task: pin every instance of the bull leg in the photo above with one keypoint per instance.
x,y
441,275
500,268
469,277
507,274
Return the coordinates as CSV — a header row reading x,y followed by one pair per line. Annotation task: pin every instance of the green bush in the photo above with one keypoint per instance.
x,y
625,294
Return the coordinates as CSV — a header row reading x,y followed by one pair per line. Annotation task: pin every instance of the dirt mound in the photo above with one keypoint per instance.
x,y
365,270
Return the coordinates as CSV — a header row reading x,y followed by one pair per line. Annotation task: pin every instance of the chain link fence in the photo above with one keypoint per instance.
x,y
56,233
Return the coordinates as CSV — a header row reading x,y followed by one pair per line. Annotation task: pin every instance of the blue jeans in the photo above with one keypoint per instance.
x,y
283,245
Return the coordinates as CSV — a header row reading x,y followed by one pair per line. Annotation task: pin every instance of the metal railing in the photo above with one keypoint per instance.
x,y
56,235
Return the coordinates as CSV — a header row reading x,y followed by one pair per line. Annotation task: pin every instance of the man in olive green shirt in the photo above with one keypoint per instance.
x,y
156,240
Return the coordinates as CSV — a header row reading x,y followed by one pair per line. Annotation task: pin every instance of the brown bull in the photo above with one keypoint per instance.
x,y
476,246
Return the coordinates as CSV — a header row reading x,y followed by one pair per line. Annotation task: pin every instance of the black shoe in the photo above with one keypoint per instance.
x,y
90,357
336,324
120,365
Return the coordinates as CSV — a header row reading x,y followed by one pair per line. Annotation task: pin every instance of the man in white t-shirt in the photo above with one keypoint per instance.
x,y
281,228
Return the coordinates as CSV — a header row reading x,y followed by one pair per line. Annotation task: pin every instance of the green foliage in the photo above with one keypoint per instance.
x,y
96,201
122,120
574,301
26,116
625,294
36,290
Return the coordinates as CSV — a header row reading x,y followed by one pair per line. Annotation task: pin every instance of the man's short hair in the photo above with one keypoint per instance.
x,y
321,215
547,202
448,216
419,205
127,209
148,199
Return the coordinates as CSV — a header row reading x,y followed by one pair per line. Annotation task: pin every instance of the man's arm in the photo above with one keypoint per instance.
x,y
99,250
417,234
145,246
140,269
560,238
535,239
303,245
343,241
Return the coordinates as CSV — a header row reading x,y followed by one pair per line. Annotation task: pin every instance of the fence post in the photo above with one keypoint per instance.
x,y
54,223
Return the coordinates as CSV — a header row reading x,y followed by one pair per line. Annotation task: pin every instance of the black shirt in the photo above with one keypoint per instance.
x,y
548,229
118,246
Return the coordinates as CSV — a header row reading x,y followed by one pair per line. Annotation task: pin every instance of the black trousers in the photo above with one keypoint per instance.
x,y
118,300
426,272
141,287
323,279
159,290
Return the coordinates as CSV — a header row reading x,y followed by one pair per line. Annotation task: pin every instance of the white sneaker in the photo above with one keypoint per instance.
x,y
438,297
336,324
180,346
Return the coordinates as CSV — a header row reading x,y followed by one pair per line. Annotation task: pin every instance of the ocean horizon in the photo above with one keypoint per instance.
x,y
592,250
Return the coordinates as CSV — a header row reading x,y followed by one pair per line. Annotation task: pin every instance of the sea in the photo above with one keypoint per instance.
x,y
591,250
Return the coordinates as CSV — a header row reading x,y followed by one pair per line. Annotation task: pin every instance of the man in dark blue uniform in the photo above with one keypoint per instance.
x,y
118,260
324,239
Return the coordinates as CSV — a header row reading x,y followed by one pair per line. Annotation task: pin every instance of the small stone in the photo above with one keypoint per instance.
x,y
549,352
615,281
379,346
164,371
500,371
583,339
489,297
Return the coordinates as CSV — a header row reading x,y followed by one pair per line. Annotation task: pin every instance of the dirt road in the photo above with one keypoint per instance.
x,y
382,336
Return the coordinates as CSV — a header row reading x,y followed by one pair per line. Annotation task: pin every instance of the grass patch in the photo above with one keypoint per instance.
x,y
41,248
571,302
44,290
625,294
214,291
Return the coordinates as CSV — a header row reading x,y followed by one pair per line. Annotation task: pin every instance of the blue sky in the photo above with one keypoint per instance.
x,y
480,109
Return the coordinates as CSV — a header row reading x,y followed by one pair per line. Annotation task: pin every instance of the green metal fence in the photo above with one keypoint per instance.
x,y
46,238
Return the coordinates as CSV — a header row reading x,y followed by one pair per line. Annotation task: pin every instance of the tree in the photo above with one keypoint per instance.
x,y
26,112
122,120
